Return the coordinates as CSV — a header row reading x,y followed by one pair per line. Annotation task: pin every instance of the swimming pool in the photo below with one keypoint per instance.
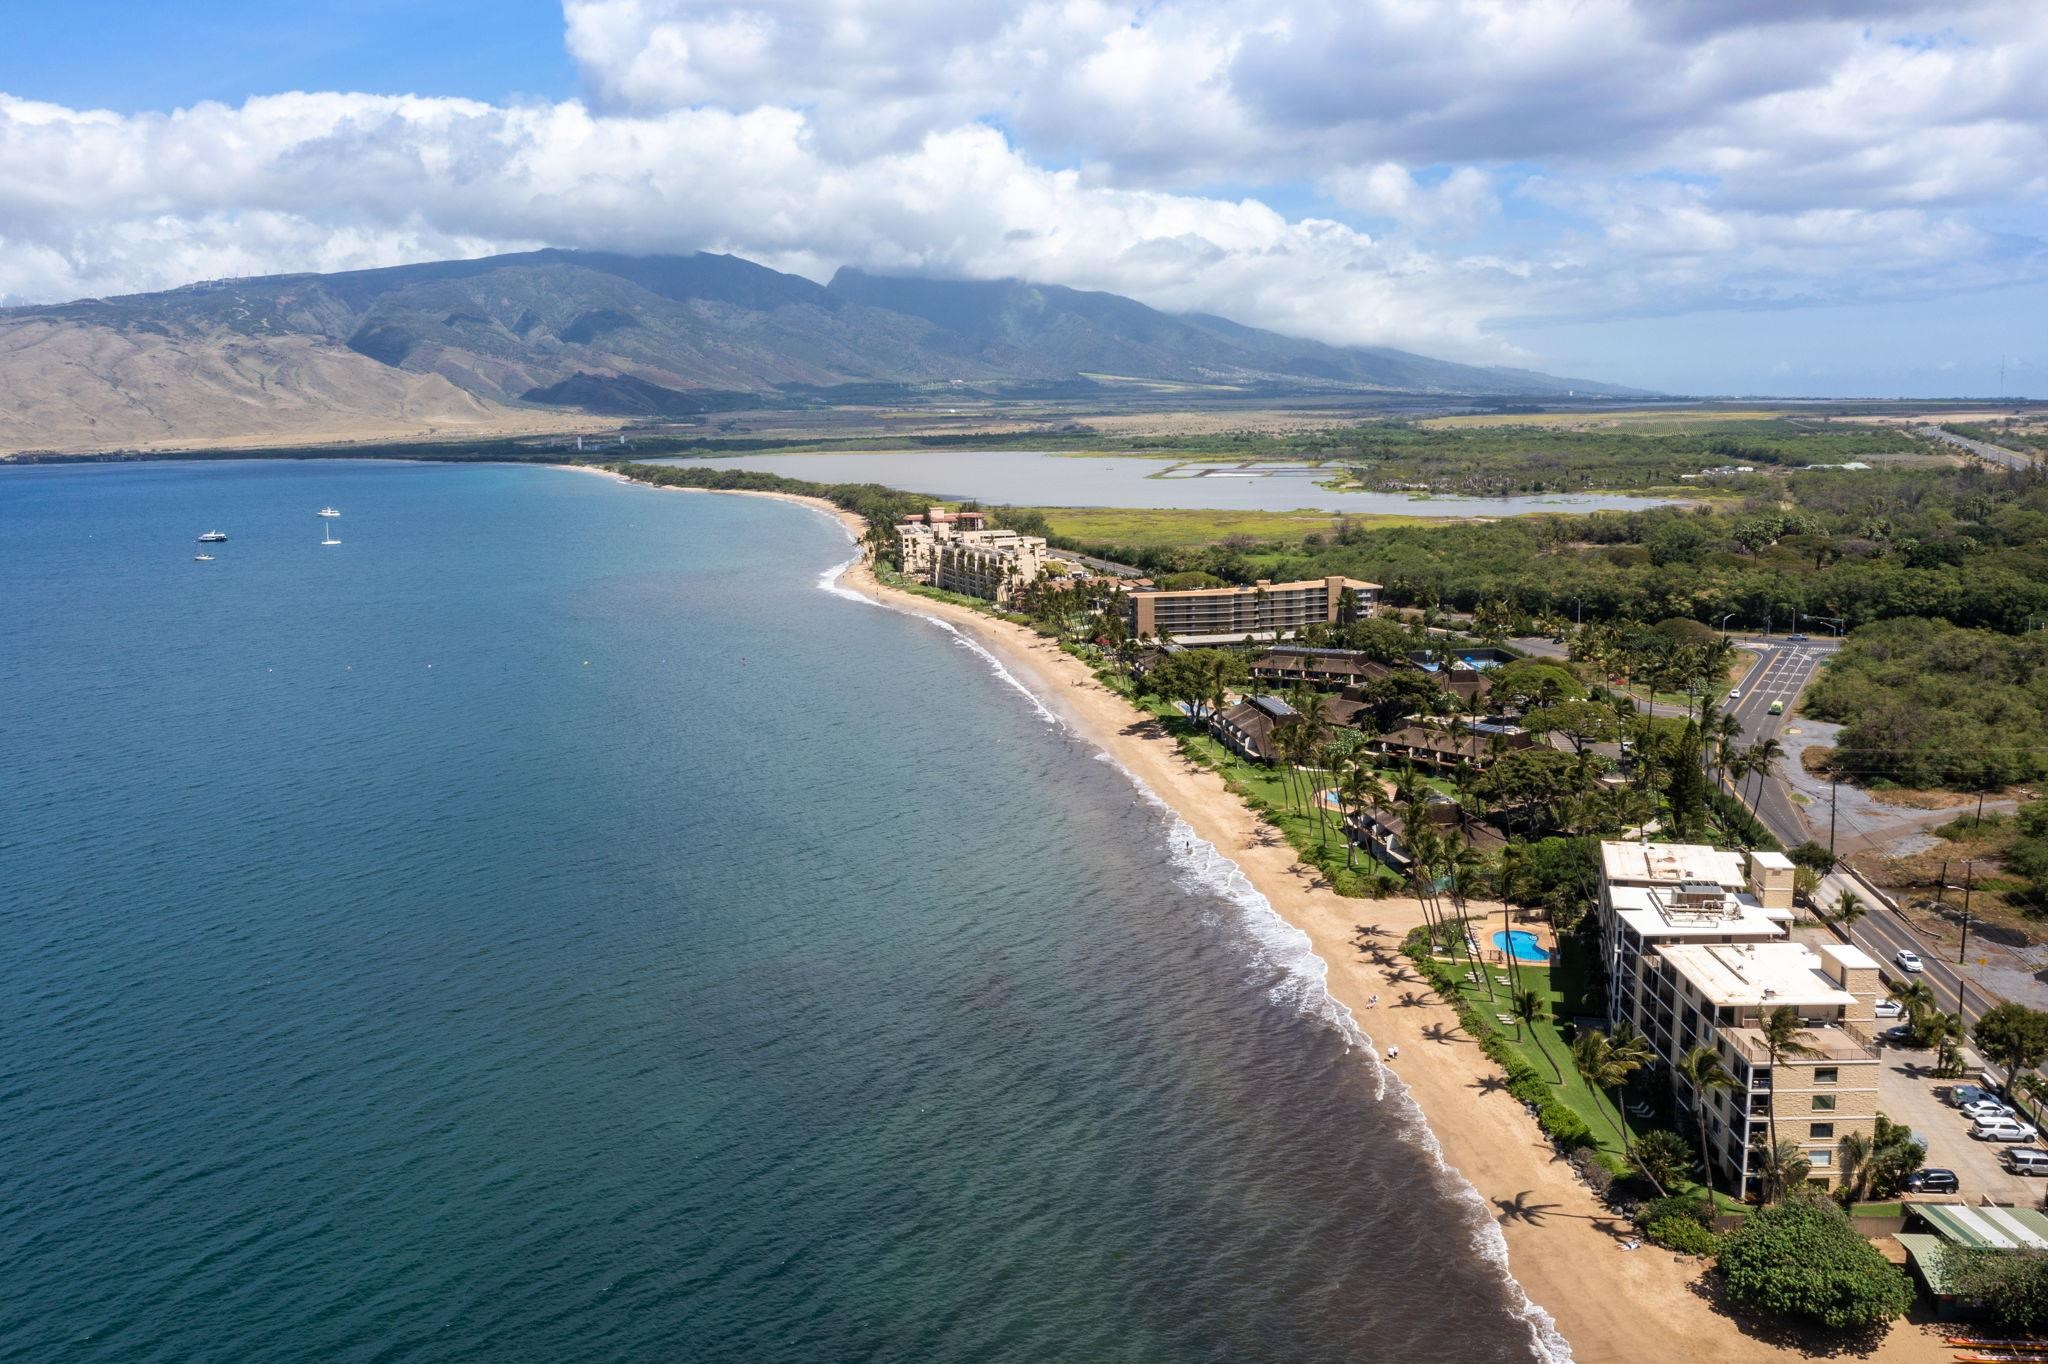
x,y
1525,945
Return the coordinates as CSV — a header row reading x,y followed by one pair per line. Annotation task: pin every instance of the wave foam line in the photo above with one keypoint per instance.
x,y
1304,980
1305,986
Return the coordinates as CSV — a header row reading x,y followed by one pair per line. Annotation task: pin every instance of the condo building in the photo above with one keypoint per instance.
x,y
956,551
1265,610
1696,952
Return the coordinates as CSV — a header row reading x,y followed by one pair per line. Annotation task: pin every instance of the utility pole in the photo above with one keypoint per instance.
x,y
1940,887
1969,877
1834,787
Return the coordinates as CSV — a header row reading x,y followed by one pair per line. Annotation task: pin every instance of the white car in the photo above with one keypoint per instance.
x,y
1984,1110
1909,962
2004,1129
1735,693
1890,1008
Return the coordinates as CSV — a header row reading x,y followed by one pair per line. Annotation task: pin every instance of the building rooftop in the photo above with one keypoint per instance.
x,y
1763,975
1318,584
1671,863
1650,913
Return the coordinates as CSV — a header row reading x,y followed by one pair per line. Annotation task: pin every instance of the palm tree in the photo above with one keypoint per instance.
x,y
1944,1032
1762,754
1852,1165
1702,1070
1355,788
1527,1004
1916,997
1606,1062
1784,1166
1848,909
1782,1029
1508,870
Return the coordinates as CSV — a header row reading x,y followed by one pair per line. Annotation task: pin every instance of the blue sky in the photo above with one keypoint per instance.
x,y
1715,196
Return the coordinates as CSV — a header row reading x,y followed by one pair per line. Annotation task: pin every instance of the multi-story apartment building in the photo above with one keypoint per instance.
x,y
991,564
1264,610
921,534
1696,953
956,551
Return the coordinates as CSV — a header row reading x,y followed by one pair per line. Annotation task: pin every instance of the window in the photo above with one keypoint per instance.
x,y
1823,1103
1821,1131
1825,1075
1820,1160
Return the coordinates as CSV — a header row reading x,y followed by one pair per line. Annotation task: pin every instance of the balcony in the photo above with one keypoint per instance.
x,y
1826,1041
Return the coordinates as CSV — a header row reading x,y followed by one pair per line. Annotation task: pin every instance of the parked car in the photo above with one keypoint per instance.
x,y
1909,962
1890,1008
1933,1181
1982,1110
1959,1095
2005,1129
2024,1160
1901,1036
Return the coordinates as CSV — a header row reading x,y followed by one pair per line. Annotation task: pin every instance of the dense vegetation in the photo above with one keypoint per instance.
x,y
1924,703
1969,545
2008,1286
1802,1258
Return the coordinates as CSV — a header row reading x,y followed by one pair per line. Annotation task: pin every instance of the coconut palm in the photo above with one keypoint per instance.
x,y
1848,909
1945,1033
1356,788
1762,754
1607,1062
1783,1030
1785,1165
1916,997
1852,1165
1701,1069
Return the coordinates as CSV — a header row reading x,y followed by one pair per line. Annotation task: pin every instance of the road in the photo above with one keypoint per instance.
x,y
1883,934
1996,454
1782,671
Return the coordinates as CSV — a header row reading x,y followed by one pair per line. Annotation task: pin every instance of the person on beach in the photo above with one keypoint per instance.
x,y
1394,1052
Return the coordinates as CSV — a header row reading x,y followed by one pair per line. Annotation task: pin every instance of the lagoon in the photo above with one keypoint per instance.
x,y
1040,478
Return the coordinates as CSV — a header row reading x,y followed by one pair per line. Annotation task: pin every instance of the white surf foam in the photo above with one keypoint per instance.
x,y
1302,984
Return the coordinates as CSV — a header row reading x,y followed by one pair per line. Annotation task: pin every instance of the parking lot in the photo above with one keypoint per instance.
x,y
1907,1093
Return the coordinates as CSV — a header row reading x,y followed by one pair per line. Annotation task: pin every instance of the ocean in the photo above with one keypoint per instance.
x,y
548,927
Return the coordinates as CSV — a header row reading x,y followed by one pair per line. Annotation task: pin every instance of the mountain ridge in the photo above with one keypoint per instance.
x,y
550,339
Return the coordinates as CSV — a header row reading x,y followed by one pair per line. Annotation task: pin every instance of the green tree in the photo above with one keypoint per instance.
x,y
1802,1258
1661,1157
2009,1286
1607,1062
1705,1076
2014,1038
1783,1036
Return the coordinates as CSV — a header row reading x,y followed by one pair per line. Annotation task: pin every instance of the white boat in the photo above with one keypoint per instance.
x,y
327,535
329,511
204,558
213,537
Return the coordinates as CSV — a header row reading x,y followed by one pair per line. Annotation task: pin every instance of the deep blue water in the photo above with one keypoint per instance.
x,y
547,927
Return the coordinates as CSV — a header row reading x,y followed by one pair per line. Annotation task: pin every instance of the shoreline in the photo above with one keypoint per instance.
x,y
1589,1300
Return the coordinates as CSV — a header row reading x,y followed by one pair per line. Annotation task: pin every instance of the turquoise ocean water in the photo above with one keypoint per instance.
x,y
549,927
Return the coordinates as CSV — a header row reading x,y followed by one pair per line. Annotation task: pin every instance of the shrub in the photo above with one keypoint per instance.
x,y
1684,1235
1675,1206
1802,1258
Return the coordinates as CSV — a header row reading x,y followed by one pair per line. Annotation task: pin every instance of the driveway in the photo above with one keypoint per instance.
x,y
1907,1093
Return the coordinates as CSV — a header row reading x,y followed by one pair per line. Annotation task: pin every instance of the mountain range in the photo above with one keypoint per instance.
x,y
561,340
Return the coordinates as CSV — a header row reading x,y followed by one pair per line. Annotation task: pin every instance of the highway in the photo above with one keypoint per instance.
x,y
1996,454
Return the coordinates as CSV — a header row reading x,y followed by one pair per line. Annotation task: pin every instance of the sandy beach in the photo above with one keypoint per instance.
x,y
1610,1305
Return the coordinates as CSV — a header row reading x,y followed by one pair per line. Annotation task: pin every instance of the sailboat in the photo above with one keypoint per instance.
x,y
327,533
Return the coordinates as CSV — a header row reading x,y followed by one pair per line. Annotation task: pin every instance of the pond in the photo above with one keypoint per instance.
x,y
1038,478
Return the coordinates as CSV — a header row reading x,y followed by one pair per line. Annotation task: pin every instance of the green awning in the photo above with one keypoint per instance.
x,y
1985,1228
